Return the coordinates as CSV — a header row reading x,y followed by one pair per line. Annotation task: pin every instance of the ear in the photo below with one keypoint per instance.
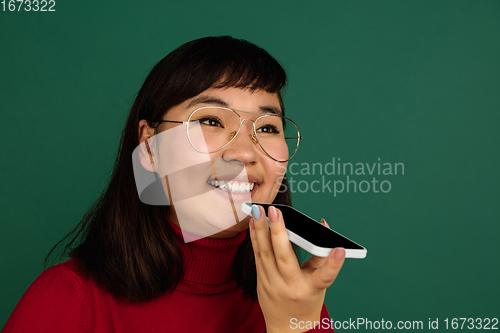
x,y
145,157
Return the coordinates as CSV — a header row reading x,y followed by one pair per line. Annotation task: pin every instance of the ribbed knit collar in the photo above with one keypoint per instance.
x,y
208,263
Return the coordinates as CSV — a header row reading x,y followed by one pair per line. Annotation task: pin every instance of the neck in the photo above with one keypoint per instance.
x,y
208,262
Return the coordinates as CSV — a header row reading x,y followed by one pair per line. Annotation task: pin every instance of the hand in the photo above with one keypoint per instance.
x,y
284,289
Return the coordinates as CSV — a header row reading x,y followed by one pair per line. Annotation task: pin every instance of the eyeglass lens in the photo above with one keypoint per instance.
x,y
210,129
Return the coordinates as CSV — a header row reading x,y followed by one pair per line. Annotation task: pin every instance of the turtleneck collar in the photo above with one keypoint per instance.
x,y
208,262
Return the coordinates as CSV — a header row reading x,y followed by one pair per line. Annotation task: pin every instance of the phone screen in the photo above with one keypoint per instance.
x,y
312,231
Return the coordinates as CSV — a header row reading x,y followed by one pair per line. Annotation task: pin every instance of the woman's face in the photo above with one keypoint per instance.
x,y
243,155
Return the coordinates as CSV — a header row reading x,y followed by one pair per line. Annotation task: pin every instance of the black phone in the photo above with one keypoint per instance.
x,y
309,234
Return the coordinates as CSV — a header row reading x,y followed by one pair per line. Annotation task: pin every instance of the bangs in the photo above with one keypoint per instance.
x,y
228,62
253,76
219,62
237,63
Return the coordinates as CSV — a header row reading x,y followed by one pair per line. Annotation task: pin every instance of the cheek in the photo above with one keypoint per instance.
x,y
275,173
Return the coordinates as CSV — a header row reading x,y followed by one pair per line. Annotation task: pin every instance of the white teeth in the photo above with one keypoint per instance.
x,y
234,186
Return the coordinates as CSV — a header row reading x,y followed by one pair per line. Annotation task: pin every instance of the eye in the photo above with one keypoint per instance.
x,y
269,128
211,121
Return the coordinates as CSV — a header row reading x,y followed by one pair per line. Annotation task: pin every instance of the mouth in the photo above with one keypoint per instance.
x,y
233,186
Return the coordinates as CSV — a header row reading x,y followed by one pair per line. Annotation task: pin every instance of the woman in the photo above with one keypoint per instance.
x,y
144,267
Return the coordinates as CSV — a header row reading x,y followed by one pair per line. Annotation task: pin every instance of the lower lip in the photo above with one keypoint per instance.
x,y
238,197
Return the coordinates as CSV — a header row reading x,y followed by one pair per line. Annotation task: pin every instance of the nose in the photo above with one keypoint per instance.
x,y
251,133
245,146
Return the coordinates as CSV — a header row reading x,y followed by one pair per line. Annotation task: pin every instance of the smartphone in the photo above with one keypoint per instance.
x,y
309,234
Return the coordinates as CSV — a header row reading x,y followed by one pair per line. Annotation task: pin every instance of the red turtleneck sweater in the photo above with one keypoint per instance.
x,y
61,299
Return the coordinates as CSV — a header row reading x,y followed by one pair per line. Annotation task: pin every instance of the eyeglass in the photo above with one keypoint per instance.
x,y
211,128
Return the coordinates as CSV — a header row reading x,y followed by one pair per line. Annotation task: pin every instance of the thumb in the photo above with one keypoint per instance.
x,y
324,276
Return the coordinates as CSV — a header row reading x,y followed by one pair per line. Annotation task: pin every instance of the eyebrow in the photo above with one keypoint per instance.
x,y
219,102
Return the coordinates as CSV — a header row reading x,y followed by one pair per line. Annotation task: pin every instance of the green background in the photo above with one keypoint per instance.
x,y
413,82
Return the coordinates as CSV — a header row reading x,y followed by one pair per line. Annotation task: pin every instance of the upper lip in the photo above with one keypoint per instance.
x,y
237,178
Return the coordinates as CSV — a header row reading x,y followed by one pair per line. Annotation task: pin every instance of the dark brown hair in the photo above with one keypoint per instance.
x,y
127,246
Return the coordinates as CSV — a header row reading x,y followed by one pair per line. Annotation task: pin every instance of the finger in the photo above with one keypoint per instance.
x,y
323,222
255,245
324,276
263,237
285,257
315,262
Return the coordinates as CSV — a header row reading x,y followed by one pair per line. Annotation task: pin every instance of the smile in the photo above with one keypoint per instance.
x,y
232,186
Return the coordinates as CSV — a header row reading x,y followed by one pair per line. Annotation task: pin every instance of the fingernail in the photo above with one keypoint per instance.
x,y
273,214
251,224
256,211
339,254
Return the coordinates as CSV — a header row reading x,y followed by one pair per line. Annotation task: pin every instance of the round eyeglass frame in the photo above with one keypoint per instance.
x,y
253,136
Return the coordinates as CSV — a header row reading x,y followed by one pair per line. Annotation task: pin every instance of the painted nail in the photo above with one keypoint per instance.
x,y
339,254
256,211
273,214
